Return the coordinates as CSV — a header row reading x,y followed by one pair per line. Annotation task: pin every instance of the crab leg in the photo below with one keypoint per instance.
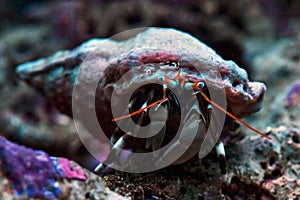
x,y
157,120
188,140
114,157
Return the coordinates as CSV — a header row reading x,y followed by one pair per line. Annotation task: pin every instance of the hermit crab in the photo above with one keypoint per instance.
x,y
171,85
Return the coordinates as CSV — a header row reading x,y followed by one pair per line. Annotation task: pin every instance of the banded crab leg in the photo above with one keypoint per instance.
x,y
115,157
120,142
221,156
211,137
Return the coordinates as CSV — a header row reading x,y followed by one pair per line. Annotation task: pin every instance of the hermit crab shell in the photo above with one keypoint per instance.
x,y
109,59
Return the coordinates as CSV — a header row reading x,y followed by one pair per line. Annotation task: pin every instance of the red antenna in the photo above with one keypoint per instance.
x,y
234,117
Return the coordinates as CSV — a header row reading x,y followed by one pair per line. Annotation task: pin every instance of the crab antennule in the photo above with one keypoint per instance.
x,y
233,117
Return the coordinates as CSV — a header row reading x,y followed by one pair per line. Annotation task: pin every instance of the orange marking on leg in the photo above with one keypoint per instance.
x,y
167,81
177,76
164,92
183,81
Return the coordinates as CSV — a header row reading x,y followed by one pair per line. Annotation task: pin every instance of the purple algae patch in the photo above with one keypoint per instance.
x,y
31,172
293,96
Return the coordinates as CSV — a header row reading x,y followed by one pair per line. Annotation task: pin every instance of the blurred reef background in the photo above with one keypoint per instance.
x,y
40,148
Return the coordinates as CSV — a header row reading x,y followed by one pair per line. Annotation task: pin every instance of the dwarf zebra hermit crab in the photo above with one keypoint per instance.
x,y
177,87
193,114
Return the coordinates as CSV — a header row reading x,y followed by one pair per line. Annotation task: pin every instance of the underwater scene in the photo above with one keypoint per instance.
x,y
154,100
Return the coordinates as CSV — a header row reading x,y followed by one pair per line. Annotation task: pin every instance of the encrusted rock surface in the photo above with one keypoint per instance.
x,y
260,35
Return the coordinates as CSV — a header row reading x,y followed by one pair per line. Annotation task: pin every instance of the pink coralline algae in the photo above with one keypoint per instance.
x,y
70,172
34,173
293,96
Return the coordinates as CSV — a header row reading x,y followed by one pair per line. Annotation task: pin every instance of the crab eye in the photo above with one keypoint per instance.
x,y
161,79
195,86
200,85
